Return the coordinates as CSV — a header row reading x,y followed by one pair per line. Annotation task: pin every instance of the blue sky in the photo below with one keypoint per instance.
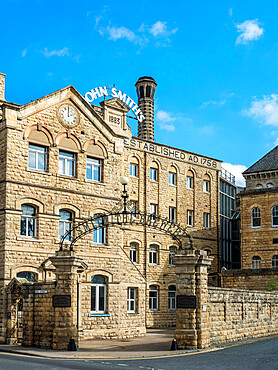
x,y
215,63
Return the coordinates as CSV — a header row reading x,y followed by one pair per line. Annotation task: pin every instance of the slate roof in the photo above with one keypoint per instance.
x,y
268,162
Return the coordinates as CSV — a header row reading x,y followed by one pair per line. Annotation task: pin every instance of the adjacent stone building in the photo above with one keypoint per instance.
x,y
61,159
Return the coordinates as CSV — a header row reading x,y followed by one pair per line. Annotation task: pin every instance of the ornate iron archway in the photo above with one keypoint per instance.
x,y
176,231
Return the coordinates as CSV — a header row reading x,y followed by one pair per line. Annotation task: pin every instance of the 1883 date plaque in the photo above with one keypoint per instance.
x,y
61,301
186,301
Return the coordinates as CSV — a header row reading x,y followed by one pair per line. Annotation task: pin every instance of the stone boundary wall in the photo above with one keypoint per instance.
x,y
240,314
253,279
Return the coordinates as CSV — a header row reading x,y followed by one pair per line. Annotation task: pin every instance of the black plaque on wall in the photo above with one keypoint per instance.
x,y
186,301
61,301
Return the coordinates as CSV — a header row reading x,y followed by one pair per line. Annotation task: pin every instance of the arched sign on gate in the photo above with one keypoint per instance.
x,y
176,231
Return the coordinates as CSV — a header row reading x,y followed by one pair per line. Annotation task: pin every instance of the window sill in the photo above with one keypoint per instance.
x,y
99,315
41,172
28,239
67,177
255,227
189,188
95,182
173,185
132,313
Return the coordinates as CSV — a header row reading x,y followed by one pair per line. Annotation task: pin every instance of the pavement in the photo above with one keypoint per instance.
x,y
156,343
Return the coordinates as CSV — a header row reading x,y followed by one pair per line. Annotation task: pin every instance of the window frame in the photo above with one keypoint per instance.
x,y
274,209
190,182
256,211
172,253
98,166
99,233
155,209
63,158
256,262
153,299
29,219
172,178
173,217
153,254
38,153
190,218
97,295
206,186
131,301
133,252
274,261
206,220
172,298
153,174
134,170
63,223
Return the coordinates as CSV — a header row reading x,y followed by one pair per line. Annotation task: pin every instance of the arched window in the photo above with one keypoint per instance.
x,y
99,230
38,149
28,221
259,186
154,171
134,167
274,216
133,253
67,157
173,176
256,217
269,185
274,261
95,158
172,252
256,262
153,297
65,223
172,297
189,180
153,254
206,184
98,294
30,276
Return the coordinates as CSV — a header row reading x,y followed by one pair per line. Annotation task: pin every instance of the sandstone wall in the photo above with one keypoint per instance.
x,y
240,314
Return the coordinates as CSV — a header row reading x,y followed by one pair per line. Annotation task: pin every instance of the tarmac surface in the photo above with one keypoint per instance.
x,y
156,343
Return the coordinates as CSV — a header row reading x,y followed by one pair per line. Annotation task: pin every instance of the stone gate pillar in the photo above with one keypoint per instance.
x,y
192,298
65,308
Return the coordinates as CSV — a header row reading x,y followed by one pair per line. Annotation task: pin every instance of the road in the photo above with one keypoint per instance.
x,y
260,355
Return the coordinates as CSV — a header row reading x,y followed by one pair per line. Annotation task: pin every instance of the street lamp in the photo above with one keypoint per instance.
x,y
124,181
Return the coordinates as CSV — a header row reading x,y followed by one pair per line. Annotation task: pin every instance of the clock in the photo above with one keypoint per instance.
x,y
68,115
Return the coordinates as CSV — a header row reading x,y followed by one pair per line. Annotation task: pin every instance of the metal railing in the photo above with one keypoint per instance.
x,y
226,175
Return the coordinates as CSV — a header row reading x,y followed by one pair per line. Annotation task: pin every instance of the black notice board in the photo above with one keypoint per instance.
x,y
61,301
186,301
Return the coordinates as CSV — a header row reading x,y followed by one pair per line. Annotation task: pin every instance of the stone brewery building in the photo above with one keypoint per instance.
x,y
104,234
61,161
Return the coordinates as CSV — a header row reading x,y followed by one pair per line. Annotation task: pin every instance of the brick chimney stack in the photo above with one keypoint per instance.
x,y
2,86
145,88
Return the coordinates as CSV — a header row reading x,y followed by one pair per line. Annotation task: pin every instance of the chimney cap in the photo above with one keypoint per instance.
x,y
146,79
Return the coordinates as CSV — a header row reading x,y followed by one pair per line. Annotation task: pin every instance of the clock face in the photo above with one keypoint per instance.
x,y
68,116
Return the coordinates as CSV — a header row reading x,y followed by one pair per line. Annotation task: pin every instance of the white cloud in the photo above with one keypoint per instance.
x,y
23,53
59,53
163,119
212,102
121,33
266,110
236,170
231,12
250,30
160,29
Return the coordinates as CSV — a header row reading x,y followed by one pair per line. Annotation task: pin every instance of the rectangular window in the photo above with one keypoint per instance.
x,y
172,214
153,297
134,207
153,255
153,209
153,174
189,218
206,220
131,299
94,169
133,169
99,232
206,186
133,252
67,163
172,178
172,297
37,157
189,182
